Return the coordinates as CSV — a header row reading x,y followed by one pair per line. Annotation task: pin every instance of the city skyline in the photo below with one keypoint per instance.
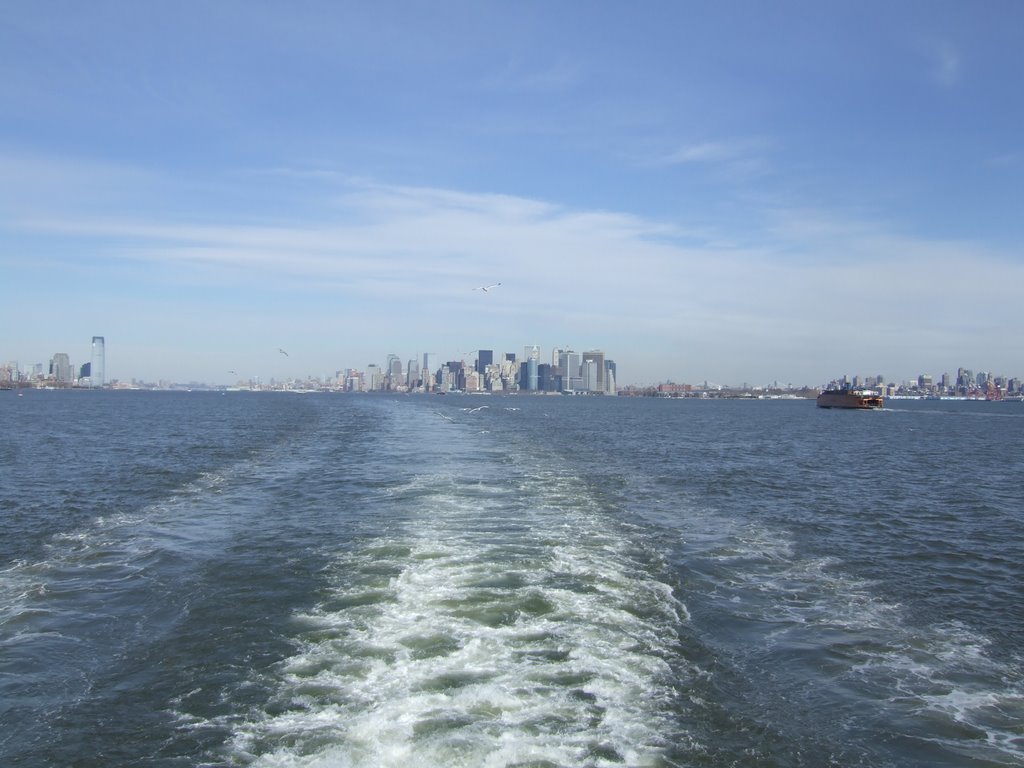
x,y
60,367
732,193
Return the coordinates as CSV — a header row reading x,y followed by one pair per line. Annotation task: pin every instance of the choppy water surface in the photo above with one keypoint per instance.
x,y
326,580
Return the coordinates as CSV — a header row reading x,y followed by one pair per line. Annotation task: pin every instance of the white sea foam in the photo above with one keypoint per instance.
x,y
482,634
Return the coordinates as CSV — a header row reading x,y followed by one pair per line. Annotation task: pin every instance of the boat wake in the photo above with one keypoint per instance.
x,y
486,633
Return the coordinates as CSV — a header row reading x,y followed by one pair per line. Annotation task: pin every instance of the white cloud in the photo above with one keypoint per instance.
x,y
722,151
709,151
810,297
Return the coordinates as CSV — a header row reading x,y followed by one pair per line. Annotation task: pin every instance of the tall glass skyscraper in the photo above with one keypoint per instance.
x,y
96,375
569,363
484,358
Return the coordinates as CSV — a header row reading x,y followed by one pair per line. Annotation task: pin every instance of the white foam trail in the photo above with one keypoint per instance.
x,y
472,639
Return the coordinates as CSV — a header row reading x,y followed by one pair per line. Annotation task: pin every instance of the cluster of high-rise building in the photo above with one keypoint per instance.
x,y
967,383
61,372
587,372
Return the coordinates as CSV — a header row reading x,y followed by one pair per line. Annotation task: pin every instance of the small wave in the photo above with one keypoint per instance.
x,y
822,626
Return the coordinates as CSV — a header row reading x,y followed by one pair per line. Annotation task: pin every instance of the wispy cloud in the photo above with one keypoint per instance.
x,y
525,75
705,152
1007,160
947,67
733,156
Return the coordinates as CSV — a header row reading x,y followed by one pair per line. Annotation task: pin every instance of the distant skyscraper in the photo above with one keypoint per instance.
x,y
60,368
394,371
591,376
598,357
569,364
374,378
455,378
98,371
527,365
546,379
484,358
429,370
532,374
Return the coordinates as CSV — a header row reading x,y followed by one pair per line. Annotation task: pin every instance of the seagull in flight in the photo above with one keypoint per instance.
x,y
474,410
282,352
232,373
486,288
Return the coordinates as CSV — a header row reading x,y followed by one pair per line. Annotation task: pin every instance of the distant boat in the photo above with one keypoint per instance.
x,y
862,399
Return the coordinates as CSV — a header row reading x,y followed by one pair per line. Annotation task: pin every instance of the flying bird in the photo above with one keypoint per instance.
x,y
232,373
486,288
282,352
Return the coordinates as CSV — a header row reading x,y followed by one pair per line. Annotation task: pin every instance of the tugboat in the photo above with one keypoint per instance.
x,y
862,399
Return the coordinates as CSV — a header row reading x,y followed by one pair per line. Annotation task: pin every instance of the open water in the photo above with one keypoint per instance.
x,y
198,579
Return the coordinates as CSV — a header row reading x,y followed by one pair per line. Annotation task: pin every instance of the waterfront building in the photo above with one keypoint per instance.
x,y
548,379
483,359
393,372
453,376
97,376
60,368
429,370
569,363
374,378
597,356
591,380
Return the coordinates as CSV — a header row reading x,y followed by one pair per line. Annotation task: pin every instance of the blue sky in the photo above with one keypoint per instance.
x,y
733,192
